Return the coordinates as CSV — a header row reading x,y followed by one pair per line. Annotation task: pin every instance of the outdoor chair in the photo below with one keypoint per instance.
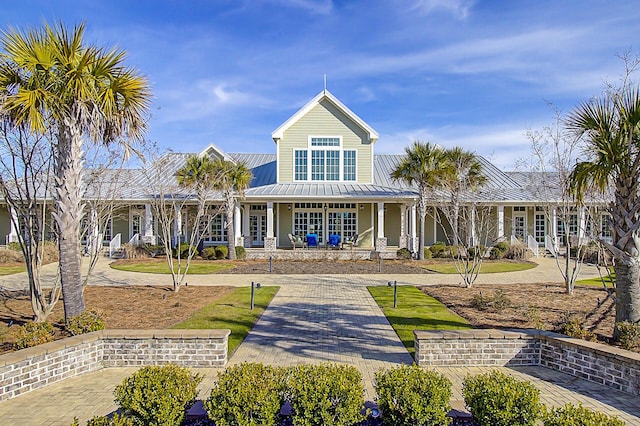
x,y
334,241
296,241
353,242
312,240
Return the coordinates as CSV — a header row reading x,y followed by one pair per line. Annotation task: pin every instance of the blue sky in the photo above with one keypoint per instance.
x,y
475,74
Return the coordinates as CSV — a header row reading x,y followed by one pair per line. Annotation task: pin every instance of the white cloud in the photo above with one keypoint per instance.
x,y
318,7
458,8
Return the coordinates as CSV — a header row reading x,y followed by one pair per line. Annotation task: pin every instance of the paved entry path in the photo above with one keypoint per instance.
x,y
324,318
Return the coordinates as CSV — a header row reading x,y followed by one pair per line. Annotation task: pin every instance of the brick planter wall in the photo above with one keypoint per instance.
x,y
607,365
35,367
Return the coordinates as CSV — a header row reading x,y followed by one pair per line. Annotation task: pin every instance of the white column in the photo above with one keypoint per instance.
x,y
237,224
148,221
582,224
500,222
435,224
269,219
473,225
413,221
245,220
554,227
177,225
403,220
380,220
13,233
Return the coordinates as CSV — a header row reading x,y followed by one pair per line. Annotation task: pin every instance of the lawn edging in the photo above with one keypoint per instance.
x,y
33,368
614,367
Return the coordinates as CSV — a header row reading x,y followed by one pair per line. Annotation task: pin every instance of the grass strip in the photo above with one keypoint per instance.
x,y
155,267
415,311
232,311
597,282
8,270
486,268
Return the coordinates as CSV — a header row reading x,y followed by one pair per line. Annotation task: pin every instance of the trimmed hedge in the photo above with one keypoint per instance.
x,y
572,415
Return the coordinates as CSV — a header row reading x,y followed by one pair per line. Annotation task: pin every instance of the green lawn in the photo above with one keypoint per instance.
x,y
448,267
7,270
597,282
155,267
233,311
415,311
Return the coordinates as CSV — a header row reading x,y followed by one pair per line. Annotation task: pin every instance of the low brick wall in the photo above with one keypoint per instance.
x,y
607,365
33,368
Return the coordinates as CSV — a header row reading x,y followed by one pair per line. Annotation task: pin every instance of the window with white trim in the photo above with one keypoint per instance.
x,y
324,160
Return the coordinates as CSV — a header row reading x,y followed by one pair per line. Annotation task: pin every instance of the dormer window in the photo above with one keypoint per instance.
x,y
329,162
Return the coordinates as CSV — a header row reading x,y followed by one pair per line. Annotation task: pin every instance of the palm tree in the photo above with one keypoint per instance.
x,y
422,165
51,80
610,126
198,172
232,180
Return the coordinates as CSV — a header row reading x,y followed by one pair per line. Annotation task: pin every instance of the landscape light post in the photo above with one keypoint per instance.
x,y
253,287
395,292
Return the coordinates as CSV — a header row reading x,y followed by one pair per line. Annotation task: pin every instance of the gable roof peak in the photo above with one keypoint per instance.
x,y
213,151
324,95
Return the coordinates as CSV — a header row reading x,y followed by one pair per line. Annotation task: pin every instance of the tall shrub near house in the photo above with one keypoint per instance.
x,y
51,80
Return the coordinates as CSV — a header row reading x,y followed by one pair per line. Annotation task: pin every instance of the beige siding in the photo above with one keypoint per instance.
x,y
286,224
365,226
325,120
120,224
392,224
5,224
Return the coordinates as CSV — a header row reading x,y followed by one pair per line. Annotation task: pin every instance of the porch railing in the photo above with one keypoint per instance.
x,y
532,244
550,245
115,244
135,240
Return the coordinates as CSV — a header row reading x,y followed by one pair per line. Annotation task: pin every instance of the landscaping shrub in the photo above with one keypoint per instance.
x,y
437,249
11,256
88,321
33,334
184,250
499,250
209,253
480,249
248,394
409,396
116,420
496,303
155,250
427,253
222,252
629,334
517,252
241,253
15,246
158,395
132,251
403,253
574,326
325,394
497,399
571,415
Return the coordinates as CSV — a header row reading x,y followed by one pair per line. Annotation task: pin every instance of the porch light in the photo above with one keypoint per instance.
x,y
361,207
289,207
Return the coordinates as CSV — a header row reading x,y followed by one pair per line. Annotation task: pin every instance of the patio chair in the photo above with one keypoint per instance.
x,y
353,242
334,241
312,240
296,241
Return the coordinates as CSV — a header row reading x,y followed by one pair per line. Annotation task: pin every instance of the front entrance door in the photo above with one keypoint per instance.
x,y
257,229
519,226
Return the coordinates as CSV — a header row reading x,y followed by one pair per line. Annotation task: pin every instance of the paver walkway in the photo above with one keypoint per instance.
x,y
311,319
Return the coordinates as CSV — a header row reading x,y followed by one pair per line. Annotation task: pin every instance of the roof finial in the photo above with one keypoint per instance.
x,y
325,83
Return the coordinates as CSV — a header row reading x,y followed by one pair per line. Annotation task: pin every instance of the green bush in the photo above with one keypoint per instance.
x,y
409,395
438,249
158,395
628,334
427,253
481,250
325,394
241,253
496,399
184,251
222,252
88,321
574,326
499,250
496,303
15,246
403,253
155,250
32,334
517,252
571,415
248,394
116,420
209,253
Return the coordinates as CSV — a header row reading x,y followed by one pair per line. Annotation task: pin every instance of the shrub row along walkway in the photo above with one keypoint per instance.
x,y
311,319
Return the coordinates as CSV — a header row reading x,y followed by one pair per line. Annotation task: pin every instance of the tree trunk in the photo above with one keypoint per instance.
x,y
421,238
627,292
68,213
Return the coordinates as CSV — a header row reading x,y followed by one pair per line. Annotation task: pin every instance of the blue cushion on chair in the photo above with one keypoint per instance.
x,y
312,240
334,240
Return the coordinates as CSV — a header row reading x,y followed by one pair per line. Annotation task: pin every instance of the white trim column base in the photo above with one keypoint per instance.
x,y
270,244
381,244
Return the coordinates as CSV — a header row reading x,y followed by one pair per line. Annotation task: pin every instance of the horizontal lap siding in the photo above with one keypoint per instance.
x,y
324,120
